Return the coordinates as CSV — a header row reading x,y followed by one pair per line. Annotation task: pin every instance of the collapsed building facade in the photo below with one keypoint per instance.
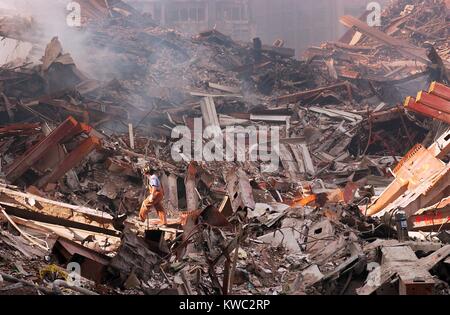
x,y
192,17
360,192
314,21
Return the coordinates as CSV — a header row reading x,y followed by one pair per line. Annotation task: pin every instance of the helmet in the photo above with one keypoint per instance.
x,y
146,170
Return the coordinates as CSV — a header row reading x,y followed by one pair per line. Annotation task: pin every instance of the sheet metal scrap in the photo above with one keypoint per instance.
x,y
239,190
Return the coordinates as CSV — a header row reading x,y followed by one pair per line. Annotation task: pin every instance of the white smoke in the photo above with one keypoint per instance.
x,y
51,18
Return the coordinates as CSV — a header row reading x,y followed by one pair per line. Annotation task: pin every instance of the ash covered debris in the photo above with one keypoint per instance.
x,y
361,191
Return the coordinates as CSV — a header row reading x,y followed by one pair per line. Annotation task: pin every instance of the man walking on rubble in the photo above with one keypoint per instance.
x,y
155,198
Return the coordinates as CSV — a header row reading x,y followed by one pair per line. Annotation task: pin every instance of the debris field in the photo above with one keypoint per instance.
x,y
359,202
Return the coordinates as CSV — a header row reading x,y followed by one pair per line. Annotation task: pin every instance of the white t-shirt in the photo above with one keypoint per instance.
x,y
154,182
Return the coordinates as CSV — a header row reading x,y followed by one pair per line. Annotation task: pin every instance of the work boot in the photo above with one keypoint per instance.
x,y
118,222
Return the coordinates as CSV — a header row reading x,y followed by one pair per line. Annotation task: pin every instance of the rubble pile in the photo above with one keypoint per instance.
x,y
411,43
360,193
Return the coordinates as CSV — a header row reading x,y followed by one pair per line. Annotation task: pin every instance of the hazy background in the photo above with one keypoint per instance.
x,y
50,15
300,23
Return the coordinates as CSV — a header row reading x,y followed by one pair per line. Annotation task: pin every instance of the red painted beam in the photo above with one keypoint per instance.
x,y
431,220
411,105
433,101
35,153
71,160
440,90
80,128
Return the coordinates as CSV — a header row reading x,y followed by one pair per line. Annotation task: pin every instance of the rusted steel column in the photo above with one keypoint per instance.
x,y
21,165
440,90
239,190
71,160
425,110
433,101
